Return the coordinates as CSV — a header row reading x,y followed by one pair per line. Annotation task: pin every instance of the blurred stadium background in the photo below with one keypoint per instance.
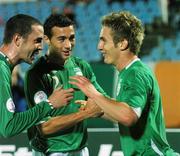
x,y
161,51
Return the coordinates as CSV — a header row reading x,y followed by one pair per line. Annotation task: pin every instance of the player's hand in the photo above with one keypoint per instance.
x,y
61,97
84,85
92,109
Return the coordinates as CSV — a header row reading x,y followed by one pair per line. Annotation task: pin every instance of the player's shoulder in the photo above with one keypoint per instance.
x,y
5,68
141,72
3,64
79,61
138,68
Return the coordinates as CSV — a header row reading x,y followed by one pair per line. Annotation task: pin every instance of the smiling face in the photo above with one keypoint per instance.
x,y
32,44
62,42
111,53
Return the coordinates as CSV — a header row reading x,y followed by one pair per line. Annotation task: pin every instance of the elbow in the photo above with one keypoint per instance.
x,y
46,129
129,118
45,132
7,134
129,121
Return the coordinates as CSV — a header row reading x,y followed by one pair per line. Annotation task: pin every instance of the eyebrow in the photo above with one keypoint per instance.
x,y
64,37
61,37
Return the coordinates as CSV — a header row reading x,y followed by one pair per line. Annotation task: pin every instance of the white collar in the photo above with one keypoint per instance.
x,y
4,56
136,59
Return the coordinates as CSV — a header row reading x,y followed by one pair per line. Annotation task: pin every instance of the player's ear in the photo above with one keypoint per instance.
x,y
46,39
17,39
123,44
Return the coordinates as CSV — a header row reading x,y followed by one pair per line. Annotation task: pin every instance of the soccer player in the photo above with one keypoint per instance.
x,y
63,133
138,105
22,41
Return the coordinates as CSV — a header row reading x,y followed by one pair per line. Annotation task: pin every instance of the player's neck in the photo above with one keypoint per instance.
x,y
56,59
9,53
125,61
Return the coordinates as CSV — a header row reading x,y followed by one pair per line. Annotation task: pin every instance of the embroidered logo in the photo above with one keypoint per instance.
x,y
78,71
40,96
10,105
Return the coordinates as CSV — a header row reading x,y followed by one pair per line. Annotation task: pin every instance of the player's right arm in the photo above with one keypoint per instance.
x,y
118,111
61,122
13,123
38,88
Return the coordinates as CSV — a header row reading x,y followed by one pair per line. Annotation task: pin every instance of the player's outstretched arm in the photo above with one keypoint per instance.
x,y
15,123
118,111
87,110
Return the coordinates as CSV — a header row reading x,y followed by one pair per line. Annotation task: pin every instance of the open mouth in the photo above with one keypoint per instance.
x,y
104,54
35,54
67,53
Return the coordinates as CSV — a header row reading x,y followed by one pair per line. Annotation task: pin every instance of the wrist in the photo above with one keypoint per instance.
x,y
96,95
90,114
85,113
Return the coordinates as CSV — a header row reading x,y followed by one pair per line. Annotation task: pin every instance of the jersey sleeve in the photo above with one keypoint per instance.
x,y
6,101
13,123
35,90
134,92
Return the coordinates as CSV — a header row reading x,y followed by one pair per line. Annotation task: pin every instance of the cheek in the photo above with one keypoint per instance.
x,y
30,49
111,54
56,48
73,43
108,47
60,47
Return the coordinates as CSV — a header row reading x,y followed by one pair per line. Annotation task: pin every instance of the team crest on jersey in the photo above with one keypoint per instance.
x,y
10,105
40,96
118,87
78,71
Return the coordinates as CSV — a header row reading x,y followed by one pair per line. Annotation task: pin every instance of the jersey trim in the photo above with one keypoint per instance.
x,y
155,148
138,111
137,59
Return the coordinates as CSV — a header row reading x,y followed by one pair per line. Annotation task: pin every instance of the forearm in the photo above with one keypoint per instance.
x,y
24,120
118,111
107,117
58,123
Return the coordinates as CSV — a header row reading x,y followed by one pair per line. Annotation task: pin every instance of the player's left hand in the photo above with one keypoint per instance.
x,y
84,85
92,109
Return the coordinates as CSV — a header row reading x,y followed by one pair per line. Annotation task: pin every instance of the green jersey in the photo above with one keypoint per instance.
x,y
12,123
40,81
138,88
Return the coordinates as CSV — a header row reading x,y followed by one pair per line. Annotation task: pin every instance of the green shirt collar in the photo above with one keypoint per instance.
x,y
6,59
129,65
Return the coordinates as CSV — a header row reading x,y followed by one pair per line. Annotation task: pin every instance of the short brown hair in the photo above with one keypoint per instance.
x,y
125,25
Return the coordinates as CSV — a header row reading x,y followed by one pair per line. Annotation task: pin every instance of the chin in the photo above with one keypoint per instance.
x,y
66,57
107,62
30,61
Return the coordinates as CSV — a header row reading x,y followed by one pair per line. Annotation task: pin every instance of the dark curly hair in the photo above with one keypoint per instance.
x,y
58,20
